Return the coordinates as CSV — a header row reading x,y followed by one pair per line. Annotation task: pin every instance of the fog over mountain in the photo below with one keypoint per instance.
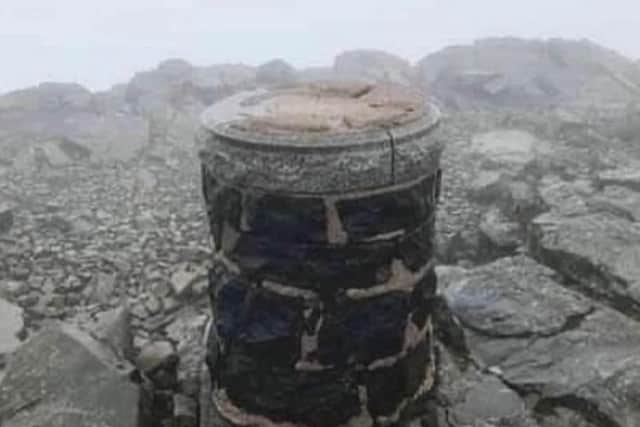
x,y
98,44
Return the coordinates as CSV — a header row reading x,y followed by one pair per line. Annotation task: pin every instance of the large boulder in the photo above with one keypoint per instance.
x,y
58,124
509,72
491,192
472,398
177,85
64,378
373,66
48,97
598,251
276,72
568,356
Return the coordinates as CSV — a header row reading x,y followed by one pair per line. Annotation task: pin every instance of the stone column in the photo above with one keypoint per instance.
x,y
321,200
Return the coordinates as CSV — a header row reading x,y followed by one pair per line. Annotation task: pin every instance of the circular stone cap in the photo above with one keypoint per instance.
x,y
321,138
316,110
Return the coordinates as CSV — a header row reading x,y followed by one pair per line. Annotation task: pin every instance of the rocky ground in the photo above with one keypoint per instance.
x,y
539,249
538,244
81,241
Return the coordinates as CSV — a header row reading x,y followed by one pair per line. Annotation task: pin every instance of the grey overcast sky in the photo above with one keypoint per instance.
x,y
99,43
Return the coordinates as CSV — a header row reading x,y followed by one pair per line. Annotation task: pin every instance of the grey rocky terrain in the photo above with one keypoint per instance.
x,y
104,250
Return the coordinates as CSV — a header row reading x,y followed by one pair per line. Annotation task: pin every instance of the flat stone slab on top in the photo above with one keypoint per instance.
x,y
326,110
321,138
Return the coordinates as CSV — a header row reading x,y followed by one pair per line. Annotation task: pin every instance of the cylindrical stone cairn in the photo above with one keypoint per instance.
x,y
321,200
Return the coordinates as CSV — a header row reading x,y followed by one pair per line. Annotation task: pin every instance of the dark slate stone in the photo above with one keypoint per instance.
x,y
318,267
287,219
253,316
209,183
417,249
423,298
406,209
218,275
388,387
325,399
224,204
437,186
364,331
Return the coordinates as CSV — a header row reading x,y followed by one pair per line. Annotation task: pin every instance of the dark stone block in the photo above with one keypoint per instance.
x,y
311,398
417,249
209,184
224,204
287,219
422,298
384,213
218,276
437,186
253,316
364,331
388,387
322,268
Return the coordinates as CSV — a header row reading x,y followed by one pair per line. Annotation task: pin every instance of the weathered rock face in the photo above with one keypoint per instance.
x,y
63,378
521,73
324,276
55,125
598,251
493,194
568,357
470,397
178,85
374,66
276,72
48,97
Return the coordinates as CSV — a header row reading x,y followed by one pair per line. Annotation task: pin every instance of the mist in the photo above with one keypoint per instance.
x,y
98,44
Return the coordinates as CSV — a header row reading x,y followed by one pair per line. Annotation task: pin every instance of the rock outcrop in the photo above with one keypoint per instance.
x,y
276,72
64,378
373,66
567,356
529,73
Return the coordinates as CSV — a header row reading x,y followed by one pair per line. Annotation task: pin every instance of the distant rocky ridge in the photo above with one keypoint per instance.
x,y
156,112
522,73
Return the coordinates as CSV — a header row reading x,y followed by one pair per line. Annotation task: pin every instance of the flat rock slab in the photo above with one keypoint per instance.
x,y
599,251
510,149
546,341
63,378
470,397
504,299
11,324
